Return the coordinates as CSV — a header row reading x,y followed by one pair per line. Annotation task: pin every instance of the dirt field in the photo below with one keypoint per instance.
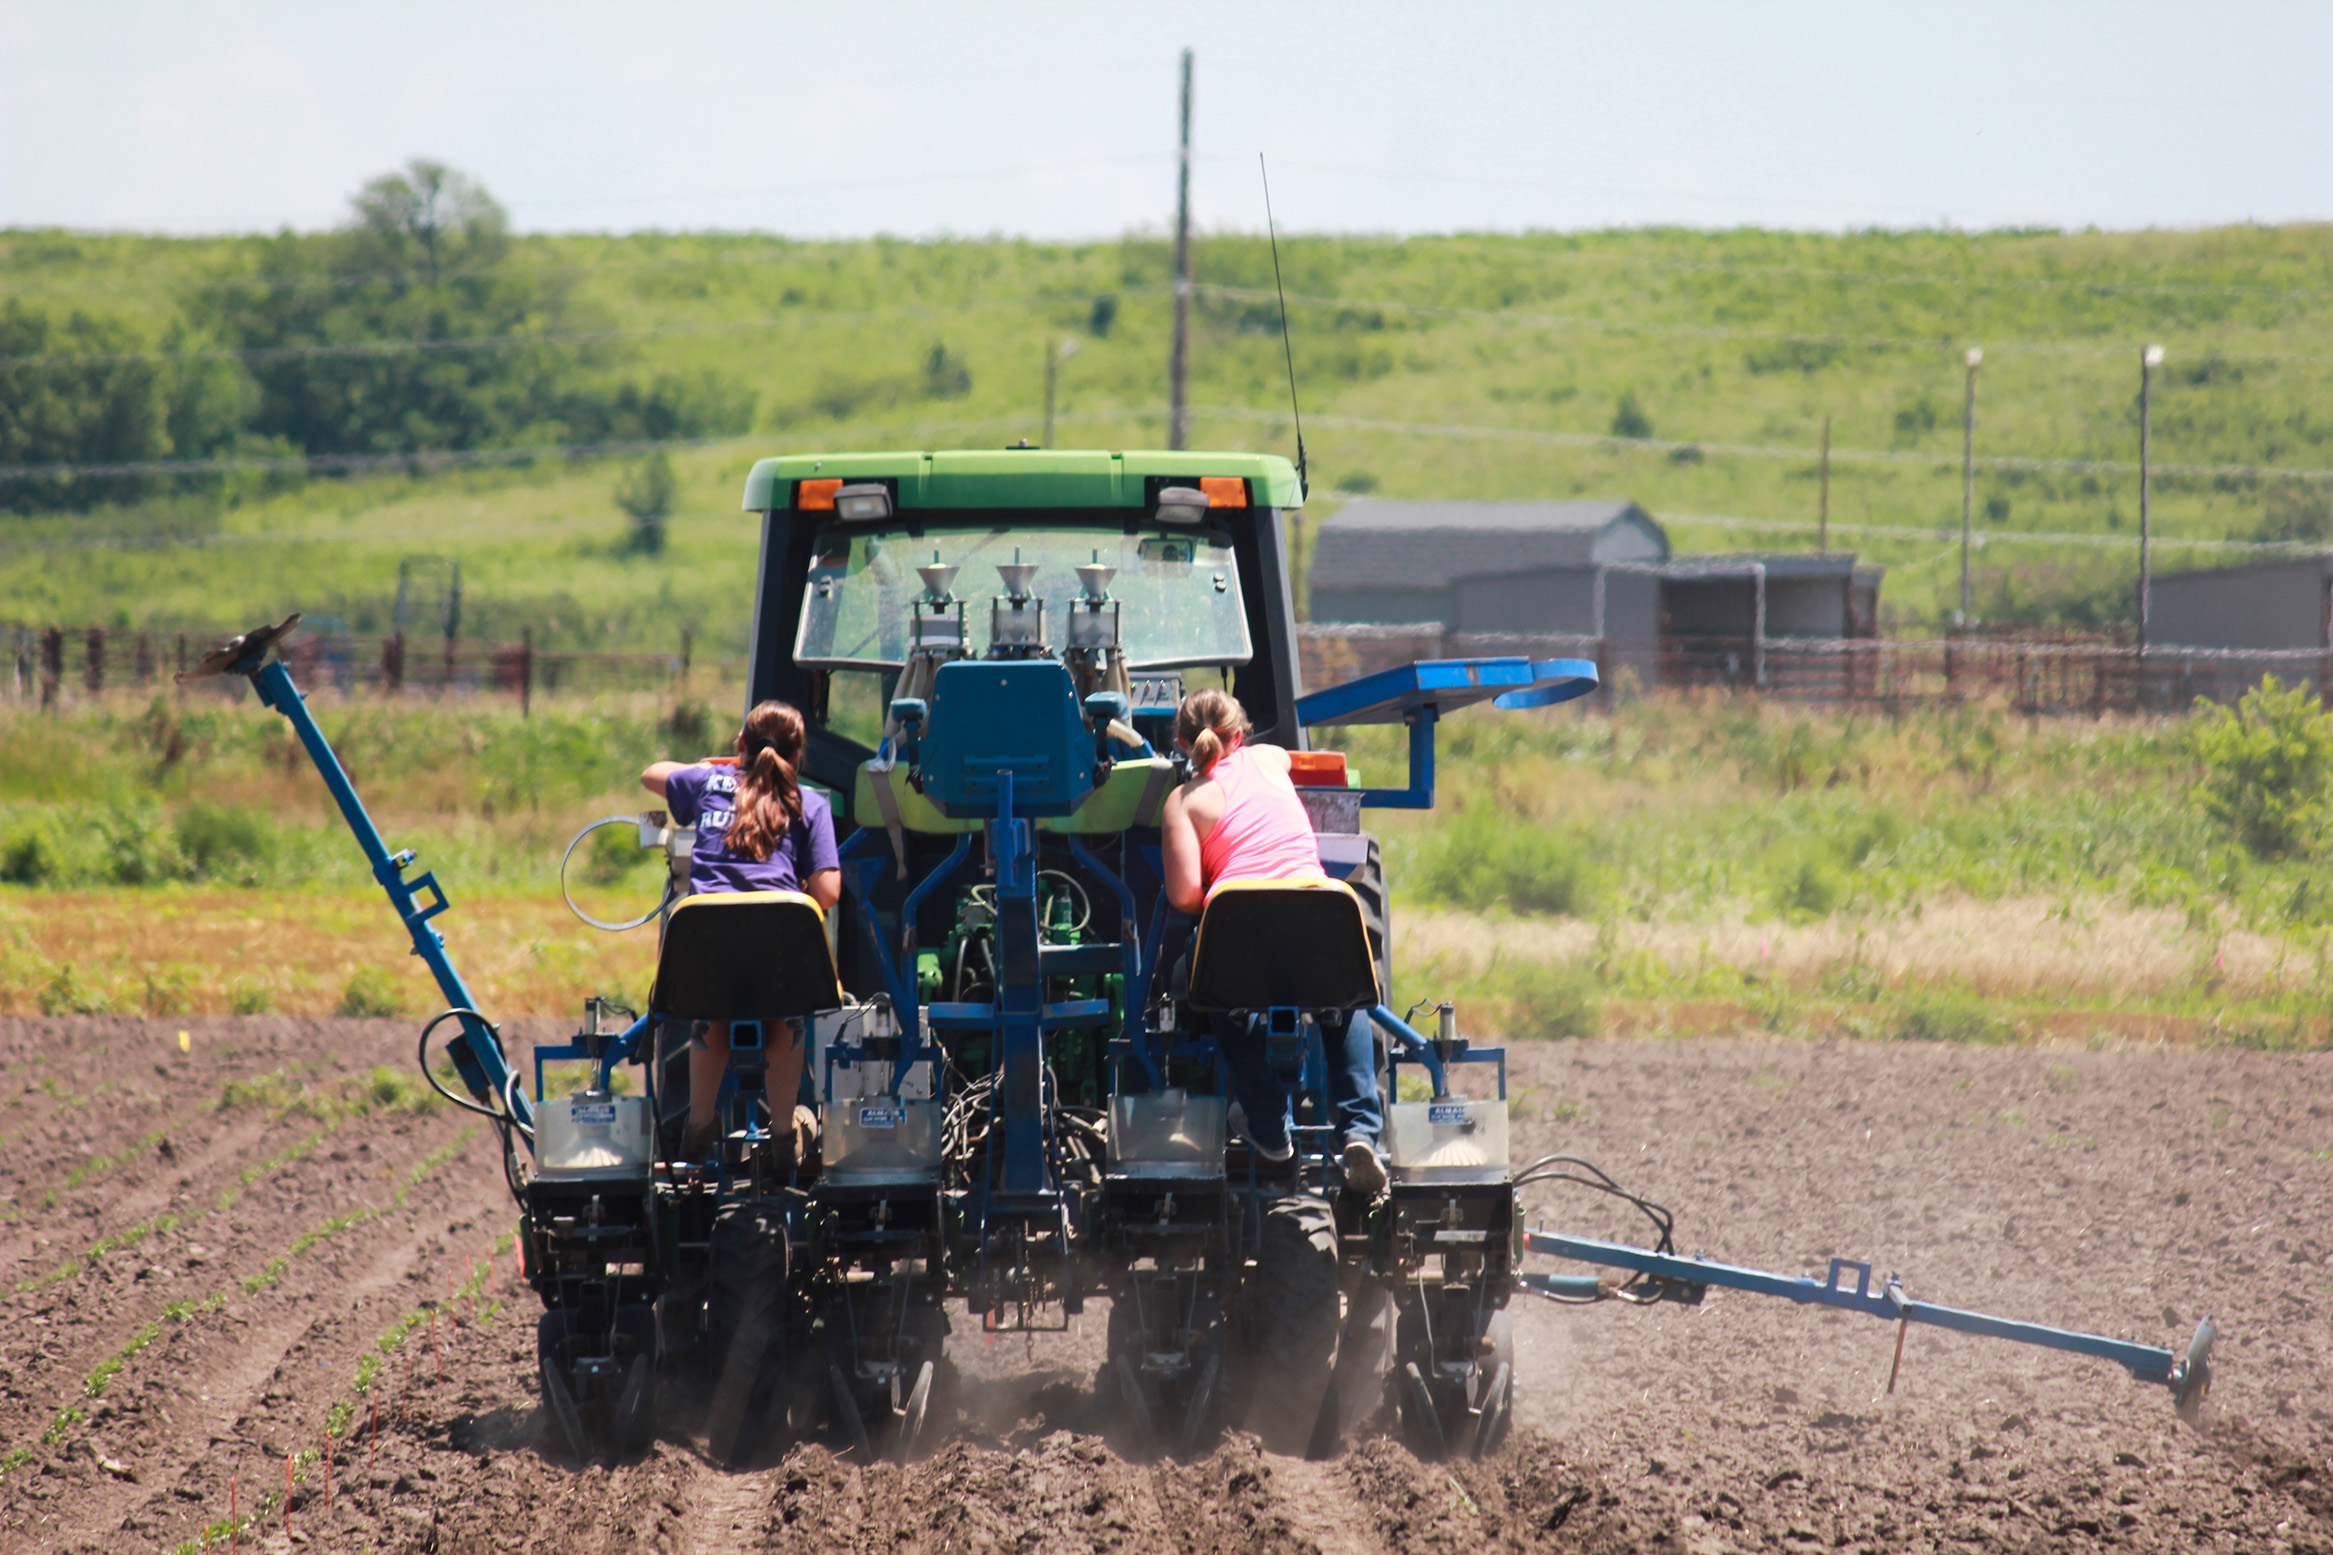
x,y
2127,1192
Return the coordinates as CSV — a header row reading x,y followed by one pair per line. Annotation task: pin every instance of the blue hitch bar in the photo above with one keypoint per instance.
x,y
1683,1279
477,1053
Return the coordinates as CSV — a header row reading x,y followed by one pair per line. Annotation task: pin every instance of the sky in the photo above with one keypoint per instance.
x,y
1057,120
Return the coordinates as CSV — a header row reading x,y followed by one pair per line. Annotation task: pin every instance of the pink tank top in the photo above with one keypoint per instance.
x,y
1263,833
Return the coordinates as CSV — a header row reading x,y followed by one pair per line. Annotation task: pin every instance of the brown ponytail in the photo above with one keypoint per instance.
x,y
1210,722
769,796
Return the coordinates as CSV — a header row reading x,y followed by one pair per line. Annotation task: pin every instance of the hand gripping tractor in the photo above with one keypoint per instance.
x,y
1016,1048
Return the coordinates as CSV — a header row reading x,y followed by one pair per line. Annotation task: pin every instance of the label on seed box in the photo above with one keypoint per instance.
x,y
881,1117
592,1114
1447,1114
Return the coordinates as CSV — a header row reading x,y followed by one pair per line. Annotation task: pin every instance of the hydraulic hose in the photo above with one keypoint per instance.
x,y
663,900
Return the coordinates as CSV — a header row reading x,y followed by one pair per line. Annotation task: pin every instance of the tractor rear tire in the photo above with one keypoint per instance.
x,y
745,1321
1295,1318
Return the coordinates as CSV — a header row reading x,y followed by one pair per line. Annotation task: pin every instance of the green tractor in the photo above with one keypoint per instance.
x,y
1019,1058
1016,1061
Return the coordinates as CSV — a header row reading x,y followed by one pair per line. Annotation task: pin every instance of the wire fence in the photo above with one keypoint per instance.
x,y
49,666
2033,672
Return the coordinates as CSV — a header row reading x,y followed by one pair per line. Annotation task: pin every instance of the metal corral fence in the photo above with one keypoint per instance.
x,y
52,664
2038,673
2034,672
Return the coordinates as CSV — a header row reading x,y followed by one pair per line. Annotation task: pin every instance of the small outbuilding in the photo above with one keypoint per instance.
x,y
2267,618
1404,563
1601,572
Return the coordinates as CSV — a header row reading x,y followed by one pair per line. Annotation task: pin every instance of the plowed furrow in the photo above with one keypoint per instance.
x,y
204,1154
73,1318
255,1382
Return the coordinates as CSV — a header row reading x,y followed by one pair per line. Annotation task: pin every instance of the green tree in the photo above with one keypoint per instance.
x,y
86,390
2267,766
1628,417
412,327
646,493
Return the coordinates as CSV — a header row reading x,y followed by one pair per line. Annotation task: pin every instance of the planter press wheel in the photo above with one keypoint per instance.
x,y
917,1411
1421,1422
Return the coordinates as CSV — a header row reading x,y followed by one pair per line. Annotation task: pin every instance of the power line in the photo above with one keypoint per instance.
x,y
463,344
1962,280
2004,537
1467,431
1722,331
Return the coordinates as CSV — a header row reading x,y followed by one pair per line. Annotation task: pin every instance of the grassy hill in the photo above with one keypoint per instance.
x,y
1496,366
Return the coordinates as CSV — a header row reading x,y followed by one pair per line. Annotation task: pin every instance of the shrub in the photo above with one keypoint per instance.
x,y
66,994
225,842
249,998
1548,1000
371,992
1936,1015
2266,766
31,852
1806,883
169,989
646,493
1629,419
139,849
1481,858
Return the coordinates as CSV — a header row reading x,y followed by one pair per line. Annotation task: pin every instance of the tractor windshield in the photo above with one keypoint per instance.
x,y
1178,594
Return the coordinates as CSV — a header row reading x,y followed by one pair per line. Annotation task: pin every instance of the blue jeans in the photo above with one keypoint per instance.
x,y
1352,1077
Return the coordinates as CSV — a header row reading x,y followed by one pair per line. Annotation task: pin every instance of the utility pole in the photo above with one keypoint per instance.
x,y
1823,501
1968,477
1053,360
2149,359
1178,367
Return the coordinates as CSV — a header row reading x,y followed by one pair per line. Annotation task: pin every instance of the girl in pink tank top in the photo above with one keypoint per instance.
x,y
1239,817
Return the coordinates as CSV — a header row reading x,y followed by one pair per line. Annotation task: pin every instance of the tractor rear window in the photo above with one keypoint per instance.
x,y
1178,596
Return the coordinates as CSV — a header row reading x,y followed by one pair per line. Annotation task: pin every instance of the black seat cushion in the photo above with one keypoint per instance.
x,y
1282,944
745,955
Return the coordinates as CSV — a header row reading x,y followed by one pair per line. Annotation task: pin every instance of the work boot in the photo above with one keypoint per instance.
x,y
1364,1167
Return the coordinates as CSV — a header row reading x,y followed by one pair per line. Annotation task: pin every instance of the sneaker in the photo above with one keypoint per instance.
x,y
1364,1167
1280,1156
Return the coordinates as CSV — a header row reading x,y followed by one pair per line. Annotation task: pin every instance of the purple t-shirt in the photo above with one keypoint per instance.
x,y
702,796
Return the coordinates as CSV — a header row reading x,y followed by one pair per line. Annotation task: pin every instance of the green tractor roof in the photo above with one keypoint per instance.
x,y
1021,477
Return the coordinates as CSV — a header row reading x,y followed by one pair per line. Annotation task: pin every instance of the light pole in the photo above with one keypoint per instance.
x,y
1178,360
1968,476
1053,361
2149,359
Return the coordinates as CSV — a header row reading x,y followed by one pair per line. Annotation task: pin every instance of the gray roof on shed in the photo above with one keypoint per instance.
x,y
1374,543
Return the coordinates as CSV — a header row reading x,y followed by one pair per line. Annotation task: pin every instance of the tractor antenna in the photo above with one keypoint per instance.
x,y
1287,345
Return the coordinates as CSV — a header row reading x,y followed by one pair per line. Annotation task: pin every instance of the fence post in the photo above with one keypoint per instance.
x,y
393,663
688,637
94,675
526,672
52,664
1604,672
144,643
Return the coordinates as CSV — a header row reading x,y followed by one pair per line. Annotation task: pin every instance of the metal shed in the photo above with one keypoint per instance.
x,y
1382,562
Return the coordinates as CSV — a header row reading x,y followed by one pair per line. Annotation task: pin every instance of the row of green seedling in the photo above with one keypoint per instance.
x,y
101,1377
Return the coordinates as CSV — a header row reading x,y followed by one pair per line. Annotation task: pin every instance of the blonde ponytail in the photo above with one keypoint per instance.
x,y
1211,722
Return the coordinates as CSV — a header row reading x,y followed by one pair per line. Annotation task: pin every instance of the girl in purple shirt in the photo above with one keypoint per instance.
x,y
758,829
